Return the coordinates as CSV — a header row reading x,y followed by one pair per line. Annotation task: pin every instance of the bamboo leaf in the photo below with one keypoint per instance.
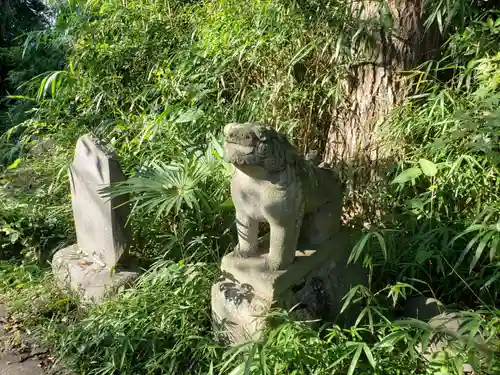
x,y
355,358
361,315
358,248
490,281
369,355
467,249
342,358
191,115
494,246
381,242
348,297
480,248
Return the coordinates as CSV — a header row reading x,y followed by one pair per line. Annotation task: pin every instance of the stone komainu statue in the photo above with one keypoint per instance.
x,y
273,183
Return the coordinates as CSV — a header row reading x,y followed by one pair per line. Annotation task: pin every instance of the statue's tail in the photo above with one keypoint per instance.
x,y
313,157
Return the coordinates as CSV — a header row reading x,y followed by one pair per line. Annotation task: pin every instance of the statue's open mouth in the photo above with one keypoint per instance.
x,y
235,152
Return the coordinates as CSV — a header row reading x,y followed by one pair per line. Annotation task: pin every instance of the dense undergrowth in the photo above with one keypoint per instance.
x,y
157,80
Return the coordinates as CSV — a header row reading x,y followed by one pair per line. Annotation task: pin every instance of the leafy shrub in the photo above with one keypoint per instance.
x,y
35,211
161,326
442,207
157,79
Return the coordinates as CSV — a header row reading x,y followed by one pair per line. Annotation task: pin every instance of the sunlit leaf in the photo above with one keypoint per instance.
x,y
369,355
190,115
428,167
479,251
227,204
14,164
407,175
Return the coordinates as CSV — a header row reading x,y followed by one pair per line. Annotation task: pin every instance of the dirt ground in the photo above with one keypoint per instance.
x,y
19,355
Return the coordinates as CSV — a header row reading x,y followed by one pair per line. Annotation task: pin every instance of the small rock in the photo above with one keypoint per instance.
x,y
37,350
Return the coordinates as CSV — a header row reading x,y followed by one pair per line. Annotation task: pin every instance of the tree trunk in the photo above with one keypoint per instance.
x,y
378,85
375,87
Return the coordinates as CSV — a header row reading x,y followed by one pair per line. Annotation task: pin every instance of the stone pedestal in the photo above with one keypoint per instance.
x,y
92,266
77,271
316,282
238,313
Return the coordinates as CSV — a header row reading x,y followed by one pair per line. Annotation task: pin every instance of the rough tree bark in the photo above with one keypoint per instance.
x,y
372,89
376,86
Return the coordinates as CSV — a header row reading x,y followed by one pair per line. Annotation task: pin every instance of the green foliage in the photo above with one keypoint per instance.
x,y
154,78
35,215
16,276
149,70
20,17
395,348
157,80
23,21
444,197
159,188
161,326
33,298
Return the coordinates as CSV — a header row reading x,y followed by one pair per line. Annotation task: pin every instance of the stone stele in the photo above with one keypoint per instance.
x,y
95,265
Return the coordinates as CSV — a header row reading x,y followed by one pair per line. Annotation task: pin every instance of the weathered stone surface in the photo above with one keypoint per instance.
x,y
273,183
92,266
446,328
270,284
99,222
304,258
81,273
313,285
322,293
237,312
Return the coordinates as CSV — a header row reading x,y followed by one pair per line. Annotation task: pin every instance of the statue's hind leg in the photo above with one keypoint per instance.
x,y
320,226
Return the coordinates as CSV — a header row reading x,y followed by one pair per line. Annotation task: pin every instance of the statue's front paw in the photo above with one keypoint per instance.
x,y
245,253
